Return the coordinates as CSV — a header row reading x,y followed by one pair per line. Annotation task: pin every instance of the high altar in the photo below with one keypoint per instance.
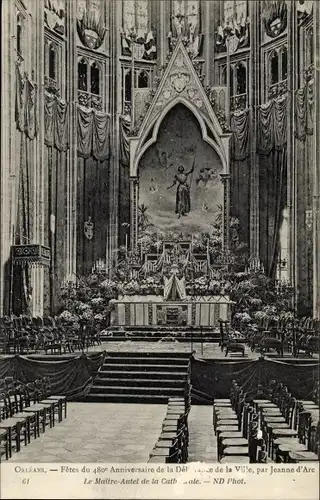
x,y
179,185
174,306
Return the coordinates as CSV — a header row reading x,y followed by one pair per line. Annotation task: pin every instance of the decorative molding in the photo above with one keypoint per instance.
x,y
274,17
180,84
225,179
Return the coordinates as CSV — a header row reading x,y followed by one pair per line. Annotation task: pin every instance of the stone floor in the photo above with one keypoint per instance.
x,y
98,432
206,350
119,433
202,443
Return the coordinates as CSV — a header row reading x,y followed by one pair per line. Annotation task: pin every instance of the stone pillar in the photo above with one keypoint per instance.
x,y
225,178
316,172
208,45
115,110
134,198
292,180
6,180
72,94
254,101
37,273
162,43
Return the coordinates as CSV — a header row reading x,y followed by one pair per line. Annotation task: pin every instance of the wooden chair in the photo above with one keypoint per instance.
x,y
310,446
62,400
15,428
44,413
4,438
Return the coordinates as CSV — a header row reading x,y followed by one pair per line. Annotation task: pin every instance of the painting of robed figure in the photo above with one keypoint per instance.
x,y
179,182
183,202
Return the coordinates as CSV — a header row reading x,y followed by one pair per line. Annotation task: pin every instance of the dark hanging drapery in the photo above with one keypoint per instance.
x,y
56,128
56,122
272,149
93,191
124,142
124,180
213,378
26,122
26,104
93,134
71,377
304,109
240,172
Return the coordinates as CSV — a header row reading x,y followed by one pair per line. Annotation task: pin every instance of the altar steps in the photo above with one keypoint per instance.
x,y
155,334
140,377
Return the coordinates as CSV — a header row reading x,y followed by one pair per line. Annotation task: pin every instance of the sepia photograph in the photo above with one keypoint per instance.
x,y
160,249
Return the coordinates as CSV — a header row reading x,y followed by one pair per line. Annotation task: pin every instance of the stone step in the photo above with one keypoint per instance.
x,y
128,398
150,355
154,375
132,338
140,367
127,376
114,360
134,382
136,390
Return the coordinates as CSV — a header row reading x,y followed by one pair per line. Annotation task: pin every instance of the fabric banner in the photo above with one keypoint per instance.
x,y
70,377
124,142
93,134
213,378
26,104
240,144
272,118
56,122
304,109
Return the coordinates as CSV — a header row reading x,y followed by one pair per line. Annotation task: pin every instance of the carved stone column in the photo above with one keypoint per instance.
x,y
316,173
72,161
134,200
115,110
292,195
208,45
225,178
254,79
7,170
163,29
37,273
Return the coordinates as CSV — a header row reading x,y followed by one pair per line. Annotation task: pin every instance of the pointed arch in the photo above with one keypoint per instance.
x,y
150,133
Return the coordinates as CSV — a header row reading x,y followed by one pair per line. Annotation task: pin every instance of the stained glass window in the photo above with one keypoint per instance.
x,y
19,32
52,62
228,10
186,10
83,75
241,10
136,17
143,80
274,68
235,10
284,63
95,79
241,83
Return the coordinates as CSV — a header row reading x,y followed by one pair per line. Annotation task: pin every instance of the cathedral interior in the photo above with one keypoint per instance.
x,y
160,176
83,106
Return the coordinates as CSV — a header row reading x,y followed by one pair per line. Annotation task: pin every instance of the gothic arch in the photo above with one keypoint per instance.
x,y
145,141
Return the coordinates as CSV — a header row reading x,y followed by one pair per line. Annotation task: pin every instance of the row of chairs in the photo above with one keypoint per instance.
x,y
172,444
289,428
26,410
238,439
26,334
